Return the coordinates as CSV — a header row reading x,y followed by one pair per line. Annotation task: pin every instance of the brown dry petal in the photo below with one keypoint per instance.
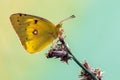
x,y
85,76
59,51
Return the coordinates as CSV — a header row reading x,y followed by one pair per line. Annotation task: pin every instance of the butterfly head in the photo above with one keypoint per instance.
x,y
58,26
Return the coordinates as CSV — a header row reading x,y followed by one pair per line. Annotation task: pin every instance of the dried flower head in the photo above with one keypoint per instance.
x,y
85,76
59,51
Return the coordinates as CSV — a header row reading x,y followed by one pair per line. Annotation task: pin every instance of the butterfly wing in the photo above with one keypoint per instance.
x,y
35,33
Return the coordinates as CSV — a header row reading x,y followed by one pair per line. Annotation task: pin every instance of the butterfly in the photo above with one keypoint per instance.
x,y
35,33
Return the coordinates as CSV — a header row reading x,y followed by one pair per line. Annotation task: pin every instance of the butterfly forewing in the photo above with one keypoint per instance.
x,y
35,33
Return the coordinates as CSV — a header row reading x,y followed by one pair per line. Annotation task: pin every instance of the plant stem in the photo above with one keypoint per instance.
x,y
79,64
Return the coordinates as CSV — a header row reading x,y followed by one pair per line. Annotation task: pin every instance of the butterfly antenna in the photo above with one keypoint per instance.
x,y
70,17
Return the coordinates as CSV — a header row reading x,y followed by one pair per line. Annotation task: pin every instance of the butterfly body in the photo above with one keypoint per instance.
x,y
35,33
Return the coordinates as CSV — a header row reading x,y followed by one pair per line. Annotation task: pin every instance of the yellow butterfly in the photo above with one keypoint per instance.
x,y
35,33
